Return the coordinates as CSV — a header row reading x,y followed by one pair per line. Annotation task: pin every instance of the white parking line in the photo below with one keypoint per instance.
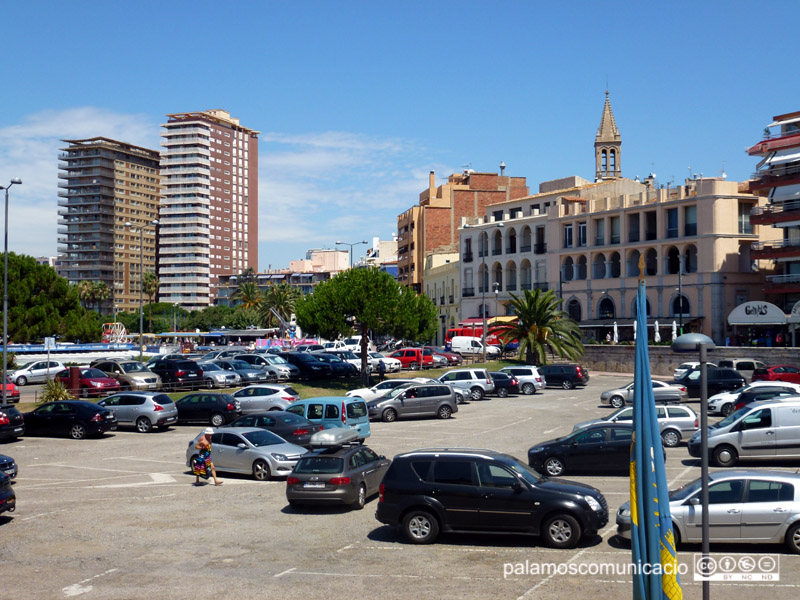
x,y
76,589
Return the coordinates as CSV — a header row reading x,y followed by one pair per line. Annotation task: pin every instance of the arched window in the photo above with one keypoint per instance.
x,y
633,264
512,241
574,310
483,279
581,267
511,276
599,266
525,244
525,274
497,246
615,264
680,306
497,279
690,262
651,262
673,260
613,160
633,307
568,270
605,309
604,161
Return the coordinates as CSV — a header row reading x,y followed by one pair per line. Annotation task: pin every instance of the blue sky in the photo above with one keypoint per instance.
x,y
358,101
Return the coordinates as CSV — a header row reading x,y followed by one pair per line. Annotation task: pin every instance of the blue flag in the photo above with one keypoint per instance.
x,y
652,539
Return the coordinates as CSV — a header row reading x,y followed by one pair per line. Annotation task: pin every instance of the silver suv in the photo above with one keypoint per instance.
x,y
675,422
528,376
475,382
131,374
414,400
144,410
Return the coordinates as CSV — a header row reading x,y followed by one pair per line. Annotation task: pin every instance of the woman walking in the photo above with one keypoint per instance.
x,y
202,465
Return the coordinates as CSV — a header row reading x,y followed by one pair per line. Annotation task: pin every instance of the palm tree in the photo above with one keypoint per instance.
x,y
85,292
541,326
150,283
281,298
100,293
248,293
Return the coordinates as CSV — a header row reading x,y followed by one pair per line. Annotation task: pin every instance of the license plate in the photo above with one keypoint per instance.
x,y
192,375
10,472
18,430
313,484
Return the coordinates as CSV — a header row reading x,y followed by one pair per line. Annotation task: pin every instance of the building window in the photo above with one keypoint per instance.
x,y
633,228
498,215
582,234
672,222
605,309
567,236
599,232
690,220
614,236
744,218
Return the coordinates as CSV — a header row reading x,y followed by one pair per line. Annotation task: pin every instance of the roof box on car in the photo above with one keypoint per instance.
x,y
338,436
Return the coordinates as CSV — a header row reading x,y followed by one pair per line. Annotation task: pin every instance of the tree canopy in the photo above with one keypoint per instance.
x,y
541,326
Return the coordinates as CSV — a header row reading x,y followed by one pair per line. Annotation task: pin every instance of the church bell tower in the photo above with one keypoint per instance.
x,y
607,146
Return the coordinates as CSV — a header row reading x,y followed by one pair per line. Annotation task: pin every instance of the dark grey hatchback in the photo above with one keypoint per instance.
x,y
426,492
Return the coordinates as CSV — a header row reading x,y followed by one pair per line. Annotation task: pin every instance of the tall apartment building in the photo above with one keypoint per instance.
x,y
778,177
104,185
433,223
209,214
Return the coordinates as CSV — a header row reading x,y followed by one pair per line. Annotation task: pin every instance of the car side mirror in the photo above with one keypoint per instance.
x,y
241,445
517,487
695,501
101,403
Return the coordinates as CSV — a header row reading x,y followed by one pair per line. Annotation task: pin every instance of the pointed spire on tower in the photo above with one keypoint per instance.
x,y
607,146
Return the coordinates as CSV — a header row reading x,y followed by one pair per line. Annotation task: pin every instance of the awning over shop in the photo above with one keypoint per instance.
x,y
506,319
794,316
756,313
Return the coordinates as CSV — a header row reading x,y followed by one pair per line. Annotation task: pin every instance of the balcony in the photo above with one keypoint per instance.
x,y
524,248
511,287
540,248
451,299
497,251
468,292
776,175
775,213
783,284
441,300
511,250
776,249
467,257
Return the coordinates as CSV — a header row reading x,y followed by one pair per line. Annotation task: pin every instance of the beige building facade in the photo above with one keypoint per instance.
x,y
442,286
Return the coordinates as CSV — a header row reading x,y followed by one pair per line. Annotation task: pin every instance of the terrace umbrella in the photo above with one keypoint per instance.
x,y
616,333
674,330
657,335
634,331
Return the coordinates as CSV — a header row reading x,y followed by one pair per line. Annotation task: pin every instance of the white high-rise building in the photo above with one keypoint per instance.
x,y
209,212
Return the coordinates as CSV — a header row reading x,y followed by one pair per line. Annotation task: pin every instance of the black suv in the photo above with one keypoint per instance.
x,y
208,407
565,376
310,365
425,492
178,374
719,379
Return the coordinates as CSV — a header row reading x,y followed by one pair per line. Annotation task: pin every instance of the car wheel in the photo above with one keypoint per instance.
x,y
77,431
617,401
793,538
554,466
210,383
389,415
502,392
476,393
143,425
670,438
445,412
217,420
562,531
567,384
415,366
84,393
420,527
726,409
21,380
725,456
261,470
528,389
361,499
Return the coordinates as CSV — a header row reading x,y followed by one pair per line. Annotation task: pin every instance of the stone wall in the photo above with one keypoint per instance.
x,y
620,358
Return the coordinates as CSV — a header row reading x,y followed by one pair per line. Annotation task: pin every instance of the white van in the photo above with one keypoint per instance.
x,y
472,345
767,429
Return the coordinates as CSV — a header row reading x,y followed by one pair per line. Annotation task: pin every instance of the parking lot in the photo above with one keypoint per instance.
x,y
119,518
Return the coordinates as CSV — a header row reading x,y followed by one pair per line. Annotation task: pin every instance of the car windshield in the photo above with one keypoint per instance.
x,y
262,438
240,364
685,491
308,358
92,373
276,360
524,471
319,464
376,355
133,367
731,418
211,367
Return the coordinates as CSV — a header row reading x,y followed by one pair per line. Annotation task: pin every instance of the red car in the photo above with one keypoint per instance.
x,y
452,357
12,391
414,358
777,373
93,382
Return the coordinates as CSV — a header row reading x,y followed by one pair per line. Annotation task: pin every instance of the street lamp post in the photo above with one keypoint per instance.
x,y
15,181
129,225
680,293
697,342
351,248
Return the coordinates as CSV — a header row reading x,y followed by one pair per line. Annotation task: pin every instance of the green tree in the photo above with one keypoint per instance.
x,y
243,317
282,298
541,326
100,293
247,294
42,304
150,289
246,276
362,300
85,293
206,319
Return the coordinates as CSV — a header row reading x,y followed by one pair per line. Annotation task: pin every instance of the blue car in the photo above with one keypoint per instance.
x,y
335,411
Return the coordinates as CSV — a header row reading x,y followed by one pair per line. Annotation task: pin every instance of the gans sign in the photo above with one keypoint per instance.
x,y
756,313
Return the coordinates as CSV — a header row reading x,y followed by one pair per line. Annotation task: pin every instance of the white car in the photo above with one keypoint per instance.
x,y
722,403
383,387
687,366
392,364
36,372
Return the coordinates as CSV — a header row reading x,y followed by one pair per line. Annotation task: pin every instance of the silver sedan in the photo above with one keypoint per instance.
x,y
249,450
262,397
663,392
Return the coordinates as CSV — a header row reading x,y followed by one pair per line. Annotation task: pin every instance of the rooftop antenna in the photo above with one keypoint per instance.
x,y
691,174
502,167
723,173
